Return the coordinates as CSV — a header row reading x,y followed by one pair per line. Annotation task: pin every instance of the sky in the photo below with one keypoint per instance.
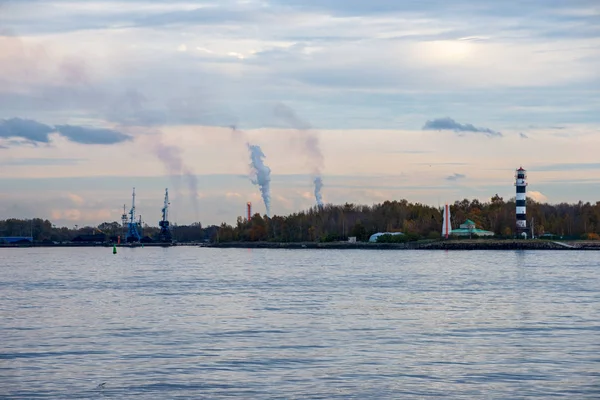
x,y
431,101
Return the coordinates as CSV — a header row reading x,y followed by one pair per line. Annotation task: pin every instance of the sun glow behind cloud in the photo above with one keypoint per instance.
x,y
446,51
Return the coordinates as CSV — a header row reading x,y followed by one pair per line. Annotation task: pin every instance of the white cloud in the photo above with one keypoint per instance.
x,y
77,200
537,196
236,55
204,50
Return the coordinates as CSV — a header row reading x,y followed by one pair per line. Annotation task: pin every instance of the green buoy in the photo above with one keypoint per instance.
x,y
114,249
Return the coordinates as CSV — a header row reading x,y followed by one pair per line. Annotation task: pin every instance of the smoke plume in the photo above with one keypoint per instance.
x,y
318,185
310,145
260,174
173,161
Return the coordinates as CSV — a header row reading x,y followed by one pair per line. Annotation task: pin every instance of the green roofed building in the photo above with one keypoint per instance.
x,y
468,228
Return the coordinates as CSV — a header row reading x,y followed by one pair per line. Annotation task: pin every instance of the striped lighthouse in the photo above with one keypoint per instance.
x,y
521,200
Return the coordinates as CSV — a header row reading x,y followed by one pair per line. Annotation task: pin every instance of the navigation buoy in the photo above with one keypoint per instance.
x,y
114,249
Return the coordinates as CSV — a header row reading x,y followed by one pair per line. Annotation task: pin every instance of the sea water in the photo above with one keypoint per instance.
x,y
187,322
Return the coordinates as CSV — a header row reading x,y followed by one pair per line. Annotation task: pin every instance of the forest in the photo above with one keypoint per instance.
x,y
43,231
338,222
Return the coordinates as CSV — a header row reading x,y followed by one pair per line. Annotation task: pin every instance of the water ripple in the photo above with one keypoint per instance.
x,y
196,323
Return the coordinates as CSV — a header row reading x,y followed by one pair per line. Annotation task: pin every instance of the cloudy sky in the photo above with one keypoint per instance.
x,y
429,100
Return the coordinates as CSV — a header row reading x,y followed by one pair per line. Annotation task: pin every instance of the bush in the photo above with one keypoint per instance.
x,y
591,236
392,239
330,238
407,237
433,235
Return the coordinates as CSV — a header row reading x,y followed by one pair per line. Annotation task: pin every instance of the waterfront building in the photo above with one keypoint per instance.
x,y
468,228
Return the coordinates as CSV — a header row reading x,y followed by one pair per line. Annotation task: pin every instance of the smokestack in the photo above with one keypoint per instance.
x,y
249,205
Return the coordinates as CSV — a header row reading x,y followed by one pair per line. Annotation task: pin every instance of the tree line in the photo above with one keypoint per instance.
x,y
42,230
416,220
338,222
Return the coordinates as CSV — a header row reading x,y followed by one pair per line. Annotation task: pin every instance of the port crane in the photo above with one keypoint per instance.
x,y
132,232
165,235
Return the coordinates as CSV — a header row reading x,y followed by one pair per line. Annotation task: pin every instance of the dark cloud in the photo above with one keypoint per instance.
x,y
27,129
447,123
455,177
34,132
85,135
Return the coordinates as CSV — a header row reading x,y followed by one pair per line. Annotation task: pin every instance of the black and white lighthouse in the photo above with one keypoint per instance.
x,y
521,200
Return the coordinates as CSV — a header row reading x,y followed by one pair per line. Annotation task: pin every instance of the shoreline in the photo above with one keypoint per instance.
x,y
452,244
122,245
467,244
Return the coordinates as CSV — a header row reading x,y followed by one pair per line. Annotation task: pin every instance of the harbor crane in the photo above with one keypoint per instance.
x,y
132,232
165,235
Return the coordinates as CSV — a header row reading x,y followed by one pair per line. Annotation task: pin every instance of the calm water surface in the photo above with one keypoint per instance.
x,y
158,323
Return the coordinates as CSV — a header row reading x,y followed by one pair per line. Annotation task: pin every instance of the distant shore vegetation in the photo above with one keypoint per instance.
x,y
339,222
417,221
